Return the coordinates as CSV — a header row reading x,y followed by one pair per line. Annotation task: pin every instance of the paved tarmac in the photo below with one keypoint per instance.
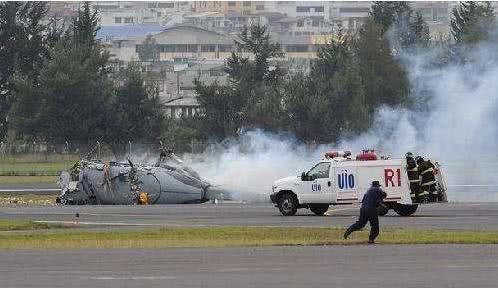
x,y
320,266
464,216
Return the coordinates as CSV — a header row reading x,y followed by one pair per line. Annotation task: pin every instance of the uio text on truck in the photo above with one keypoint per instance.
x,y
338,179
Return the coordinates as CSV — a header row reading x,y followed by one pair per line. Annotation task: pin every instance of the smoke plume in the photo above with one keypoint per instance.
x,y
454,122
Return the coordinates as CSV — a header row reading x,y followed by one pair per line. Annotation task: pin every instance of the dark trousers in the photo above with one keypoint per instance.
x,y
367,215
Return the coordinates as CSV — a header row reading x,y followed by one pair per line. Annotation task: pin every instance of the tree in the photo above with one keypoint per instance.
x,y
387,13
71,98
334,77
148,51
404,29
419,33
84,27
257,41
472,22
384,79
23,48
252,97
69,102
222,109
137,113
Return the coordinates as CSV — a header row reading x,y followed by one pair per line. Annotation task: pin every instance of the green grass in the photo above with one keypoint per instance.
x,y
228,237
17,225
28,180
35,165
33,169
38,158
27,200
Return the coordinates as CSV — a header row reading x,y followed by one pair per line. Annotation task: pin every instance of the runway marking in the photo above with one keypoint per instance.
x,y
168,224
473,266
473,185
338,210
105,223
242,269
131,278
30,190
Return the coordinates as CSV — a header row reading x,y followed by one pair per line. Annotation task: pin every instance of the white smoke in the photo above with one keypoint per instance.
x,y
249,165
456,124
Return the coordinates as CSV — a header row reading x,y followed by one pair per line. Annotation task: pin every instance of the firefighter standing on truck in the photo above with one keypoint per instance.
x,y
427,179
368,212
413,177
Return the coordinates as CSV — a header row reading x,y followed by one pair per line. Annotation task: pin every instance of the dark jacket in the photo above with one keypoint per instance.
x,y
426,171
372,198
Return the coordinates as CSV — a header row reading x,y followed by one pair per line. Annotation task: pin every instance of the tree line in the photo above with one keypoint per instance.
x,y
56,84
352,76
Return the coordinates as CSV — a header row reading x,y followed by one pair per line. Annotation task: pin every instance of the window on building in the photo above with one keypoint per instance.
x,y
181,48
442,11
260,7
166,5
208,48
319,9
223,48
192,48
231,3
247,3
315,22
302,9
354,10
300,23
216,73
168,48
187,88
442,19
297,48
117,20
128,20
152,5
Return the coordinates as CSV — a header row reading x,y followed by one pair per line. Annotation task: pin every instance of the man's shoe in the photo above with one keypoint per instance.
x,y
346,234
371,242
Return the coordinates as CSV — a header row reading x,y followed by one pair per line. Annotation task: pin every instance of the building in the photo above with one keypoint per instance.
x,y
187,43
241,7
117,13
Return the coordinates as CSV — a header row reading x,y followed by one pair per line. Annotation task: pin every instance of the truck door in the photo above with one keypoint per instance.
x,y
317,188
346,185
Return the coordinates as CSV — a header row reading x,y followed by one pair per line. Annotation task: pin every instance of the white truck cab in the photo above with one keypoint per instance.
x,y
343,181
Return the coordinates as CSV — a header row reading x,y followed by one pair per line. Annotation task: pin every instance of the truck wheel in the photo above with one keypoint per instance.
x,y
405,210
287,204
319,210
382,209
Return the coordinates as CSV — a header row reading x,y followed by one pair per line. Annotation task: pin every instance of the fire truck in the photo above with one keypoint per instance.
x,y
338,179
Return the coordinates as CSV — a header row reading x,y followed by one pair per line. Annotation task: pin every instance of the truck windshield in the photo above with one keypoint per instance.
x,y
321,170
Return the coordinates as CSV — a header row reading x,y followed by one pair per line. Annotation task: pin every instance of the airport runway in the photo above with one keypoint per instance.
x,y
466,216
319,266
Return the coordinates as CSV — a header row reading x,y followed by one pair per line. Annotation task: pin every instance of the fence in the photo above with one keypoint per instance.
x,y
96,150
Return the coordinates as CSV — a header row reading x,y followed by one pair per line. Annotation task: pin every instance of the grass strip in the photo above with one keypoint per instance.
x,y
38,158
27,180
33,169
27,200
23,225
228,237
